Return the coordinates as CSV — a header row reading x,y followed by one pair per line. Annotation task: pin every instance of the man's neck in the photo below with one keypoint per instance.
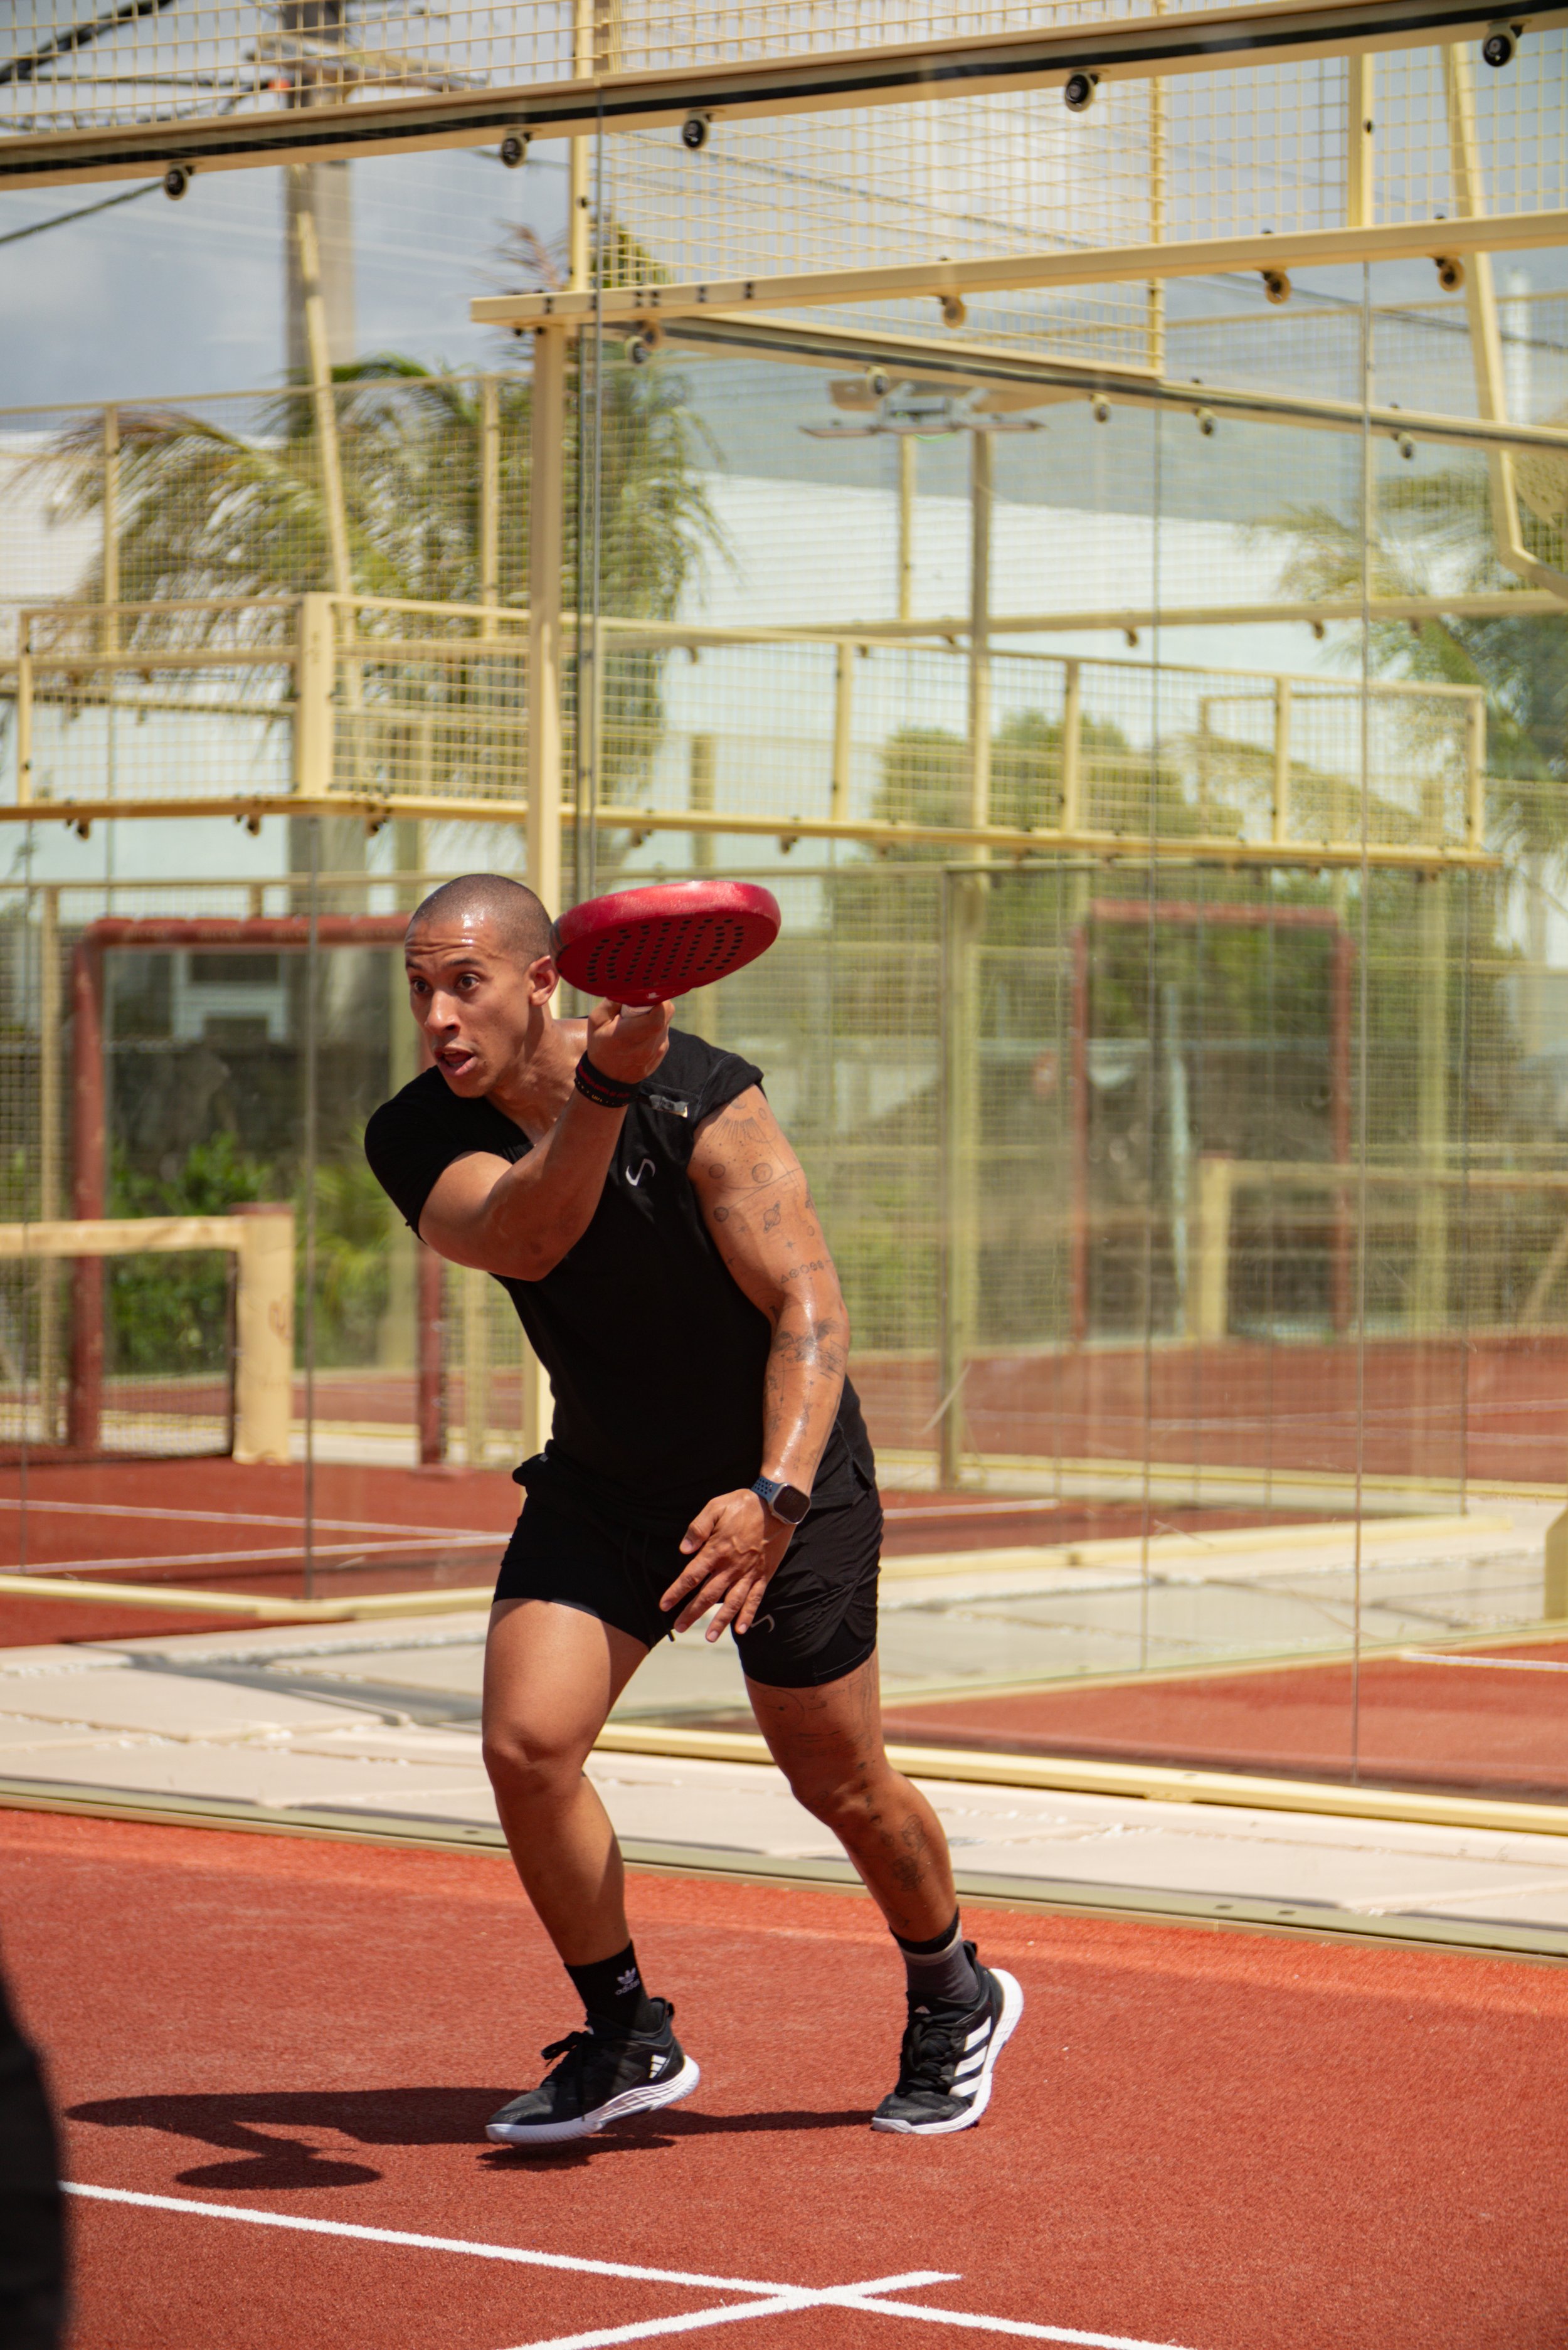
x,y
538,1086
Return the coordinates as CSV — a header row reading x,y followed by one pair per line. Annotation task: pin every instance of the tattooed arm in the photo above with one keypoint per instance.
x,y
753,1192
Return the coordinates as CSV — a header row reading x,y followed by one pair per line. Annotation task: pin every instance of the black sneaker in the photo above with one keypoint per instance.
x,y
603,2075
945,2063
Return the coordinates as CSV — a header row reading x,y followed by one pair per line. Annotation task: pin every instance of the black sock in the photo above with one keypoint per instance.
x,y
940,1972
611,1989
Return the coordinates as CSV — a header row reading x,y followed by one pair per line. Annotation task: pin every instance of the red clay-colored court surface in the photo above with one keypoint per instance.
x,y
1216,2141
1490,1719
214,1525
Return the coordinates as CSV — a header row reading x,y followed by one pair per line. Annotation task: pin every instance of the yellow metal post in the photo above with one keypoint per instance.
x,y
546,458
1475,775
1208,1292
959,1108
313,712
1281,807
24,716
699,799
50,1156
1072,815
326,406
1360,187
981,480
1154,299
963,930
110,550
489,501
264,1334
1429,1287
843,726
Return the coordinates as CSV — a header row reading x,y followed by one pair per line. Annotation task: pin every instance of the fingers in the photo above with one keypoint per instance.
x,y
715,1594
732,1555
627,1041
728,1591
700,1527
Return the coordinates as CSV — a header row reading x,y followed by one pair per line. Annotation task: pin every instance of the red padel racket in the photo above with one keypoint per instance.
x,y
644,946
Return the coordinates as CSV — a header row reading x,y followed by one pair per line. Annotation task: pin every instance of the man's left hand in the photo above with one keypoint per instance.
x,y
737,1543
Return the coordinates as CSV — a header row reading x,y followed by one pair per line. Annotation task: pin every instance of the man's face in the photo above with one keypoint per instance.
x,y
474,1002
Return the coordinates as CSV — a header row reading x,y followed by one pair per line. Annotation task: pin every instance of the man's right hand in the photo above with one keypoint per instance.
x,y
626,1041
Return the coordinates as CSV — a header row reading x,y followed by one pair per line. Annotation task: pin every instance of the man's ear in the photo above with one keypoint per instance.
x,y
543,979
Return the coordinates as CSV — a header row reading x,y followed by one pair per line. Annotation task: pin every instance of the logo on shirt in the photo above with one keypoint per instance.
x,y
645,1169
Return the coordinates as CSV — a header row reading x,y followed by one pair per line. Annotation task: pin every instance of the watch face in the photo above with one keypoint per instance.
x,y
791,1504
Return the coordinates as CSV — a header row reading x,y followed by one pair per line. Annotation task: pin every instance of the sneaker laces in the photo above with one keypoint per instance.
x,y
580,2051
928,2053
573,2047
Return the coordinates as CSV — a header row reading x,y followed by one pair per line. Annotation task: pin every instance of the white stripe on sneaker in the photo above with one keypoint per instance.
x,y
974,2094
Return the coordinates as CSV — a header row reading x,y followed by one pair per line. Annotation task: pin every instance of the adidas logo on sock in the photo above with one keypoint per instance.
x,y
629,1980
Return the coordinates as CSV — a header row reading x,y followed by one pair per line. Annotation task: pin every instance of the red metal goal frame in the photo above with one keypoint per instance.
x,y
282,933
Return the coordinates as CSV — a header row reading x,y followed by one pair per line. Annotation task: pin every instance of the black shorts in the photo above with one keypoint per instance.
x,y
818,1618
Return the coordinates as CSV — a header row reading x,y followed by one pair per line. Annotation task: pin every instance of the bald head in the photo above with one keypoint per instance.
x,y
518,923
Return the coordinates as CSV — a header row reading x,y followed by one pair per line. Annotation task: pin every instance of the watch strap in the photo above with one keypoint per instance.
x,y
774,1490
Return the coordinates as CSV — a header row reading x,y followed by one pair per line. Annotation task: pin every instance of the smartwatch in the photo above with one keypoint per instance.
x,y
784,1502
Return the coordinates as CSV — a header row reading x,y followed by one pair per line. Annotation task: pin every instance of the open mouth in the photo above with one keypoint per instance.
x,y
457,1060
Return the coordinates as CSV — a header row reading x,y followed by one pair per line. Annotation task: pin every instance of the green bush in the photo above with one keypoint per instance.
x,y
170,1314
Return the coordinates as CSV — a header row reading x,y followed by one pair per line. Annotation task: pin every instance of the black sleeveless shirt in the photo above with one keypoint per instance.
x,y
655,1356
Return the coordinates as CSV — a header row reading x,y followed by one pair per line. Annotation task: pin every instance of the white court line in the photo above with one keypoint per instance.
x,y
1015,2325
230,1518
532,2260
101,1565
845,2296
769,2299
1491,1664
842,2296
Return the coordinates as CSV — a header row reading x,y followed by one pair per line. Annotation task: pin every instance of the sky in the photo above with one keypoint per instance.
x,y
155,297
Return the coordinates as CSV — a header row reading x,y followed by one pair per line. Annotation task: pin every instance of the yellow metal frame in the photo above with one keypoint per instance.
x,y
326,653
1101,264
1136,49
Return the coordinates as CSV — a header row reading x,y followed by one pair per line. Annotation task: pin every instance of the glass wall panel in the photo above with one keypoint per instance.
x,y
1150,1136
1148,706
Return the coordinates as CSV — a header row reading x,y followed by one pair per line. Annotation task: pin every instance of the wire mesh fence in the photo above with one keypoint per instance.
x,y
1061,1125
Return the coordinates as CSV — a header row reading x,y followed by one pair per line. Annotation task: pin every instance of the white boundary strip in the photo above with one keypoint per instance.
x,y
769,2299
251,1518
1493,1664
779,2304
526,2259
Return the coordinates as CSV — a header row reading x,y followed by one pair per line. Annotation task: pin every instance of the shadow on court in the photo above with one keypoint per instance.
x,y
260,2128
271,2130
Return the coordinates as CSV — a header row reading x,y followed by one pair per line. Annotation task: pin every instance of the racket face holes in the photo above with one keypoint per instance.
x,y
675,954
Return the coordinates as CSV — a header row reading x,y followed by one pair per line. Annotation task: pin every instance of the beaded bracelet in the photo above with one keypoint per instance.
x,y
605,1092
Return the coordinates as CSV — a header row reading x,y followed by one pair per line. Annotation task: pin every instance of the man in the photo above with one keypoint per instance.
x,y
628,1187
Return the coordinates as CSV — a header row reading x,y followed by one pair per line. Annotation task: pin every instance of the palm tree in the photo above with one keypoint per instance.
x,y
1433,536
209,513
